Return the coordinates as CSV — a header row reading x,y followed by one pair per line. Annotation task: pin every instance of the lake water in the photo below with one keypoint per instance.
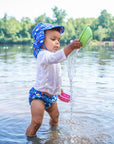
x,y
87,119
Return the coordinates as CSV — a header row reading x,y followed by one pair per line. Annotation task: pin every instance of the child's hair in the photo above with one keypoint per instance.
x,y
57,29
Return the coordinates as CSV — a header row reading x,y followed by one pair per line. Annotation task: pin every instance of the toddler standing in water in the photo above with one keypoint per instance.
x,y
43,96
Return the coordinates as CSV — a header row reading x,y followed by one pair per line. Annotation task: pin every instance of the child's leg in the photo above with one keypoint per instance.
x,y
54,114
37,112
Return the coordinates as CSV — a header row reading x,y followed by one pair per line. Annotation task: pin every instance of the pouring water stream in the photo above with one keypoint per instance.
x,y
71,65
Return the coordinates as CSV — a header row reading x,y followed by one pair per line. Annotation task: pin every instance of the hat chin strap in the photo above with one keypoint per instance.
x,y
44,46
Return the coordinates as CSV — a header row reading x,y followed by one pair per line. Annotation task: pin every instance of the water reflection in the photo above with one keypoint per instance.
x,y
92,106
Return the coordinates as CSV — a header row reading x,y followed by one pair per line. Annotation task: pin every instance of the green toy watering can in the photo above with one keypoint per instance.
x,y
85,36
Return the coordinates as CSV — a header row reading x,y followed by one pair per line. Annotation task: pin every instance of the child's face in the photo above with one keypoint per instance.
x,y
52,40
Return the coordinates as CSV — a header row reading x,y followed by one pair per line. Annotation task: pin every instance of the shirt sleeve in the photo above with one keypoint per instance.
x,y
53,57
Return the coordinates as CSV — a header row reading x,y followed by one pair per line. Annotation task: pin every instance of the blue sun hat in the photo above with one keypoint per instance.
x,y
38,35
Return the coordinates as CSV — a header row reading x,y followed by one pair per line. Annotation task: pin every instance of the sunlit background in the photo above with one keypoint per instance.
x,y
74,9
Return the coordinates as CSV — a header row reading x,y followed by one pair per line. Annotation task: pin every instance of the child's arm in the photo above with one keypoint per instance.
x,y
76,44
60,55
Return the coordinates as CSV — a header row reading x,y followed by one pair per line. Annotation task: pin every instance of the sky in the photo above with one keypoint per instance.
x,y
74,9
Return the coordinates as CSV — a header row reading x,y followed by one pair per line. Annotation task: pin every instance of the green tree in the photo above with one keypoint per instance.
x,y
111,28
43,18
100,33
3,25
59,15
69,33
25,26
9,29
13,27
104,19
79,26
14,31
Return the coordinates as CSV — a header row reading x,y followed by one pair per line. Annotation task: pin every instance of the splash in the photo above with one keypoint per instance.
x,y
71,64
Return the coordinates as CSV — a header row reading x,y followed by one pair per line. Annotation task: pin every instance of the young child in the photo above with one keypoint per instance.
x,y
43,96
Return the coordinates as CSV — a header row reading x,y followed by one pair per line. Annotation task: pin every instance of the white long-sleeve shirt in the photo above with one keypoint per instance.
x,y
48,78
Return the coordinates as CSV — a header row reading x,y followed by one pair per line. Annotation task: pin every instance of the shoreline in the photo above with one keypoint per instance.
x,y
93,43
103,43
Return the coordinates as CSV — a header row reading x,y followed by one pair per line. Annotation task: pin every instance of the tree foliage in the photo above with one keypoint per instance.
x,y
14,31
59,15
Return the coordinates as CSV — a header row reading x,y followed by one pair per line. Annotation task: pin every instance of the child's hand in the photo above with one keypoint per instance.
x,y
76,44
61,91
